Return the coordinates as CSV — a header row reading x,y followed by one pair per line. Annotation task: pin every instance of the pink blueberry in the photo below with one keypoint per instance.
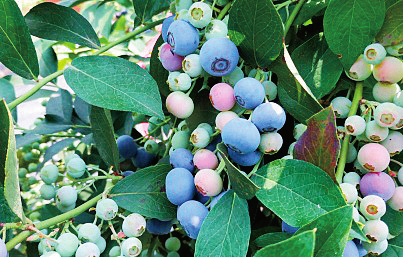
x,y
223,118
373,157
180,104
208,182
377,183
205,159
389,70
222,96
169,60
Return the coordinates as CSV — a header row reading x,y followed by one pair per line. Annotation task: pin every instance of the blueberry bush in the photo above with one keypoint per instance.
x,y
222,128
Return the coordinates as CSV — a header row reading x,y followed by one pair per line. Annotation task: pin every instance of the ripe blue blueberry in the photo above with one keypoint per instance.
x,y
143,158
201,198
179,186
126,146
219,56
191,215
165,25
268,117
183,37
350,250
241,136
158,227
249,93
248,159
287,228
182,158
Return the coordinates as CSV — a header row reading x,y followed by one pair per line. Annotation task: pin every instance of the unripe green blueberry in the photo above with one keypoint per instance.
x,y
373,157
208,182
376,248
106,209
131,247
396,50
179,104
270,143
216,29
396,202
182,82
207,127
372,207
223,118
114,251
351,153
65,208
47,191
376,230
172,244
88,250
385,92
376,133
89,232
171,79
36,153
299,129
32,167
67,244
350,192
389,70
361,70
374,53
341,106
151,146
32,180
356,215
70,157
101,243
270,89
352,178
398,98
400,175
355,125
399,124
180,139
173,254
200,137
393,143
51,254
49,173
291,148
387,114
46,245
200,14
66,196
183,15
22,172
235,76
191,65
358,167
134,225
76,167
183,126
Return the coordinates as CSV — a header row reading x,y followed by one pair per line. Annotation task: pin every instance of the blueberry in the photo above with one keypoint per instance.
x,y
134,225
182,158
183,37
191,215
76,167
241,136
172,244
248,159
143,158
179,186
101,243
3,249
377,183
215,199
49,174
219,56
351,250
67,244
66,196
89,232
88,249
47,191
201,198
132,247
268,117
169,60
106,209
165,26
158,227
128,173
213,144
126,146
287,228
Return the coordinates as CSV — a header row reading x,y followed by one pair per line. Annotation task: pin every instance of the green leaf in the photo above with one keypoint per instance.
x,y
157,71
296,191
350,26
332,231
47,57
226,229
240,183
60,108
394,220
293,93
309,9
271,238
55,149
144,193
145,9
391,32
59,23
395,247
8,93
318,65
115,84
17,52
356,232
203,112
10,198
301,245
319,144
100,16
103,136
256,28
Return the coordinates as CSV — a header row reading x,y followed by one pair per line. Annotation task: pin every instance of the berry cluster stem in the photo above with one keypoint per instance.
x,y
344,146
101,50
292,17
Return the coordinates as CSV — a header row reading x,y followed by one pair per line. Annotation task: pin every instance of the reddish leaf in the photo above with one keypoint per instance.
x,y
319,144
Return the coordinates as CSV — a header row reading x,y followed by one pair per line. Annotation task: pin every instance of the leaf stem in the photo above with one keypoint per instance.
x,y
224,11
53,221
103,49
344,146
292,17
